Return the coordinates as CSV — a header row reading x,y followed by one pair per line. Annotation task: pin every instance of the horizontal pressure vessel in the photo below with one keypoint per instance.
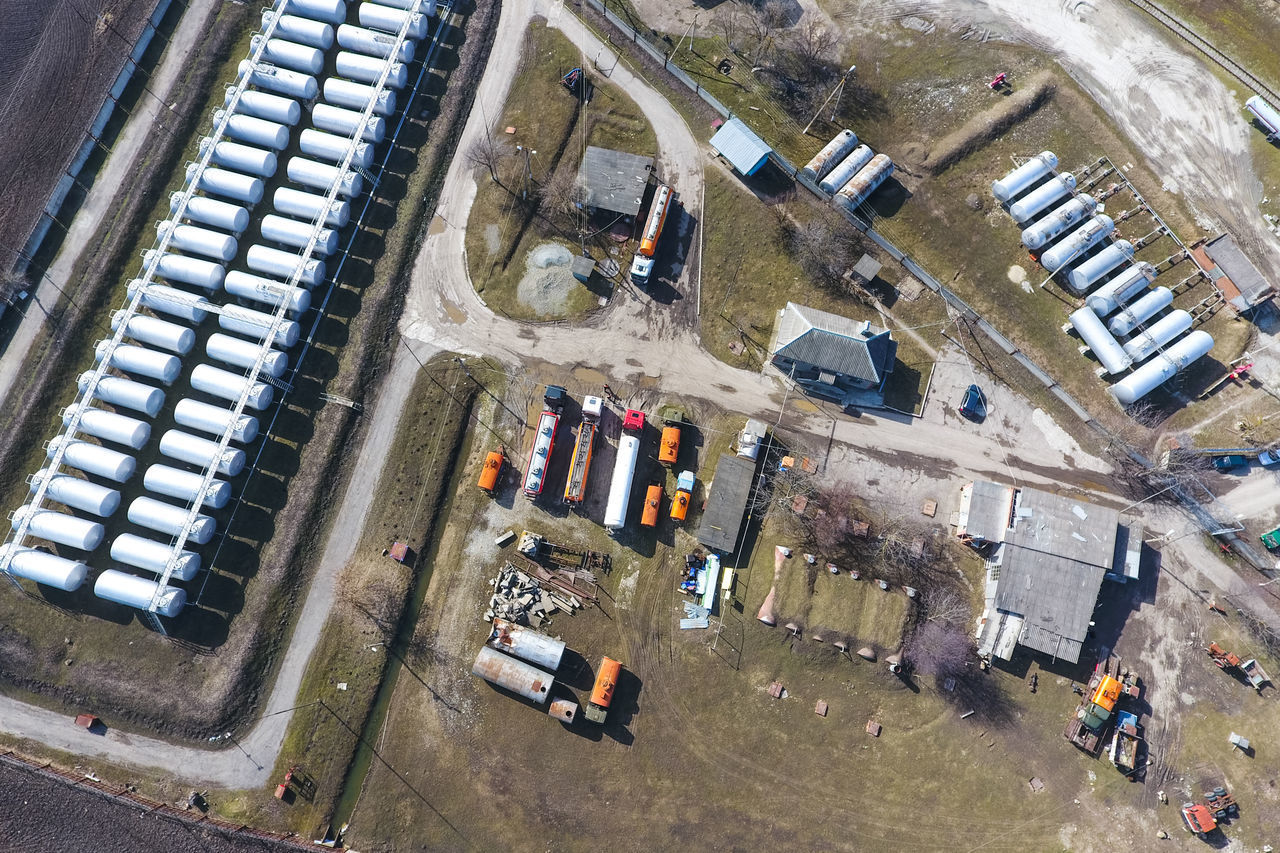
x,y
241,353
156,332
257,131
92,458
526,643
426,7
284,264
164,299
265,105
60,527
201,452
379,17
374,43
1267,115
140,361
255,325
1088,273
1099,340
860,187
816,169
333,148
1022,178
296,234
152,556
133,591
1043,231
299,29
267,291
367,69
108,426
1079,241
243,158
197,241
346,122
1125,286
1042,198
43,568
282,81
215,420
329,11
187,270
842,171
1162,368
511,674
229,386
356,96
1139,312
185,485
1145,344
124,392
77,493
307,206
322,176
211,211
226,183
290,54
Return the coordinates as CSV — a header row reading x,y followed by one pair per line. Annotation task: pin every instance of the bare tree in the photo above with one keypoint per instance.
x,y
822,251
490,154
944,603
11,284
940,649
811,46
763,22
380,604
561,193
730,25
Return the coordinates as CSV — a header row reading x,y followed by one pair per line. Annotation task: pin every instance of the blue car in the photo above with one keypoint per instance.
x,y
974,404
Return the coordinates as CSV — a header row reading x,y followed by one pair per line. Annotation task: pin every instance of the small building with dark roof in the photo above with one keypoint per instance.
x,y
726,507
614,181
1233,274
741,146
833,357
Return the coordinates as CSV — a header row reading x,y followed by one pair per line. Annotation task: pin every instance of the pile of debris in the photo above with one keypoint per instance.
x,y
521,598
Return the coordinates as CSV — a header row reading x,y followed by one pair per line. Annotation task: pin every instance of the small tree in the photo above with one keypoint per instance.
x,y
490,154
940,649
561,194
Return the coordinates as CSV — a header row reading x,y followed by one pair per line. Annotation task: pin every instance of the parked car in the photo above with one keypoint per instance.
x,y
974,404
1269,457
1232,460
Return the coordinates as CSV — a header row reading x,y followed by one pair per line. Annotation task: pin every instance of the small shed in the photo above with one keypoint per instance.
x,y
86,721
739,144
614,180
399,552
864,271
582,267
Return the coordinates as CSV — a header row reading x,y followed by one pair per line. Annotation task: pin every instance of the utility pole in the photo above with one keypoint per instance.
x,y
528,170
853,69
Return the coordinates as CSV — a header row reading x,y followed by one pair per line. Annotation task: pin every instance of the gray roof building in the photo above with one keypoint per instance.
x,y
727,503
741,146
614,180
829,355
1244,286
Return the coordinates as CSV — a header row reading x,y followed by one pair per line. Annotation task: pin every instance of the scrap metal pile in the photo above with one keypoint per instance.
x,y
525,600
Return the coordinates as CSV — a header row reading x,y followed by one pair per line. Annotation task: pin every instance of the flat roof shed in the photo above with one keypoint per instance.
x,y
727,503
614,180
739,144
1237,273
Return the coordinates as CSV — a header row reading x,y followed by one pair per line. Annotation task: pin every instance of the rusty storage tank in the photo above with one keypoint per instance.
x,y
512,674
862,185
830,155
535,647
563,710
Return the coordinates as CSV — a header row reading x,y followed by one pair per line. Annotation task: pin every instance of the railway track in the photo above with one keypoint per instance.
x,y
1201,44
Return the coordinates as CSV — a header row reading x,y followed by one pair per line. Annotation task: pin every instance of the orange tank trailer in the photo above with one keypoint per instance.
x,y
602,693
652,503
680,506
491,471
669,449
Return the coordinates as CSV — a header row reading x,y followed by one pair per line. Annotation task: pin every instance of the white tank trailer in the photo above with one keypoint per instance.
x,y
164,299
333,148
124,392
169,519
374,43
295,234
511,674
830,155
229,386
197,240
133,591
267,291
290,54
61,528
140,361
347,122
215,420
1090,272
1044,231
275,262
156,332
152,556
302,30
77,493
1109,353
195,271
264,105
92,458
624,470
256,324
1139,312
322,176
201,452
308,206
185,486
1147,342
242,158
1079,241
109,426
1042,198
1162,368
1125,286
381,17
211,211
1024,177
329,11
851,165
241,353
282,81
257,131
525,643
1266,115
862,185
226,183
367,69
43,568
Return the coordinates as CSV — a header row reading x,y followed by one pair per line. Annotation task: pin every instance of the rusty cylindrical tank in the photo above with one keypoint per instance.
x,y
514,675
535,647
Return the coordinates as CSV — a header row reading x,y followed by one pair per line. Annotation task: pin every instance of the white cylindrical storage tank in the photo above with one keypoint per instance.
x,y
284,264
329,11
1149,340
375,43
1020,179
242,158
109,426
1162,368
77,493
426,7
1043,197
1091,271
255,325
815,170
332,147
195,271
526,643
43,568
215,420
1109,353
291,232
1077,243
860,187
152,556
308,206
241,353
624,469
268,292
1266,114
259,131
210,211
60,528
1125,286
125,392
282,81
322,176
229,386
265,105
1139,312
842,171
164,299
367,69
345,122
226,183
197,240
201,452
92,458
1042,232
185,485
378,17
141,361
302,30
156,332
290,54
133,591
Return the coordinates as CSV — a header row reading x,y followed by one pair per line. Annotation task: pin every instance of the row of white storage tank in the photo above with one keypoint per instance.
x,y
847,171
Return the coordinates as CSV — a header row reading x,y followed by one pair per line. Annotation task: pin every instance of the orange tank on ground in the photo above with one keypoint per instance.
x,y
652,503
491,471
669,449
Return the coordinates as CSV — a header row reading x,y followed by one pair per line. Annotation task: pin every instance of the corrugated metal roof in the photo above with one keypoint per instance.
x,y
727,503
1227,255
614,180
739,144
834,343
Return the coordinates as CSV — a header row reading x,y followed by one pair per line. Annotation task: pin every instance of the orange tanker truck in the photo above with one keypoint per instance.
x,y
491,471
602,694
684,494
